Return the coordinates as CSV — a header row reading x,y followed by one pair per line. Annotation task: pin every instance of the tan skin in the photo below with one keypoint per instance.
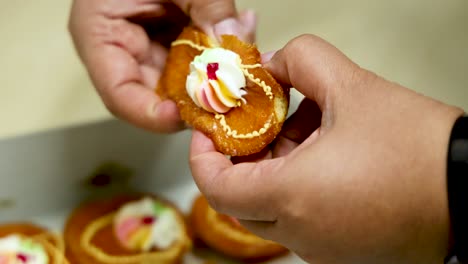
x,y
124,45
358,174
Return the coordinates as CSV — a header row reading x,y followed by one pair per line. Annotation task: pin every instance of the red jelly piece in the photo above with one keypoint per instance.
x,y
23,258
211,70
148,220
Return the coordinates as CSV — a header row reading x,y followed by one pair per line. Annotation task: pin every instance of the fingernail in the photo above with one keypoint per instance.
x,y
266,57
228,26
248,19
153,110
166,114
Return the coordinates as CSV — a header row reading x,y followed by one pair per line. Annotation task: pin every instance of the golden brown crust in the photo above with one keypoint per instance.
x,y
22,228
104,239
52,244
222,235
250,117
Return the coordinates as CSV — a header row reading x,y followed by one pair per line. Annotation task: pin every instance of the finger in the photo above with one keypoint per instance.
x,y
248,19
124,67
244,27
262,155
166,28
219,17
140,106
314,67
266,57
244,191
303,122
104,21
207,13
116,9
126,88
296,130
105,45
263,229
282,147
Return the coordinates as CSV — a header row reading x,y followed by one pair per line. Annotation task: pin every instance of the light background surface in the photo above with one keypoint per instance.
x,y
420,44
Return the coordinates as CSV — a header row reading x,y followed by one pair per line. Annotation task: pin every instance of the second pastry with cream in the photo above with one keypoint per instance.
x,y
127,229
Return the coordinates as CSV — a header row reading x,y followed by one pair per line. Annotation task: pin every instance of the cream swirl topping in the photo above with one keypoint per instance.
x,y
146,224
17,250
216,81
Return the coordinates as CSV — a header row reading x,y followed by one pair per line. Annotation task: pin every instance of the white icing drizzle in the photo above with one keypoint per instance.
x,y
257,81
253,66
234,134
266,88
189,43
245,69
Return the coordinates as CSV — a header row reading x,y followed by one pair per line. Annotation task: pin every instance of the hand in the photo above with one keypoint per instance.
x,y
124,45
357,175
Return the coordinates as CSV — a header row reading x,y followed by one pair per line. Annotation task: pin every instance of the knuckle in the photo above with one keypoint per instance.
x,y
215,195
299,43
215,202
212,10
110,104
226,6
184,5
129,36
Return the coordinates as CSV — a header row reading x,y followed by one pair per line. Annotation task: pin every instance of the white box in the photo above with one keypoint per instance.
x,y
43,176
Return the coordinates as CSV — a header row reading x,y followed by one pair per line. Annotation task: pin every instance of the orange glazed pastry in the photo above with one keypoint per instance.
x,y
128,229
26,243
223,91
227,236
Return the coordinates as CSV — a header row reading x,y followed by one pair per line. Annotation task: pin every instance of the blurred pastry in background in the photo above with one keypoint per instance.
x,y
127,229
27,243
225,235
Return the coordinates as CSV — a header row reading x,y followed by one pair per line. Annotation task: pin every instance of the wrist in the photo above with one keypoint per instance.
x,y
457,182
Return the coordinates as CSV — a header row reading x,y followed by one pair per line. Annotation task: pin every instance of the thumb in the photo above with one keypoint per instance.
x,y
314,67
219,17
247,191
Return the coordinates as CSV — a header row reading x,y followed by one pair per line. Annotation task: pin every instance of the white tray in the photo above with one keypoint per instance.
x,y
43,176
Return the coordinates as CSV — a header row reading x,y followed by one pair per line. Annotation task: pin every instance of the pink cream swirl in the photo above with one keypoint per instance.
x,y
216,82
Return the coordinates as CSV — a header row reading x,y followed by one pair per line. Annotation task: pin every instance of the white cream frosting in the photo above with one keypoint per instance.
x,y
216,81
200,88
147,224
17,250
166,231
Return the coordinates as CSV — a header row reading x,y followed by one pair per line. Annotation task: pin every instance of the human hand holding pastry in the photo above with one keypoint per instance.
x,y
124,47
357,174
